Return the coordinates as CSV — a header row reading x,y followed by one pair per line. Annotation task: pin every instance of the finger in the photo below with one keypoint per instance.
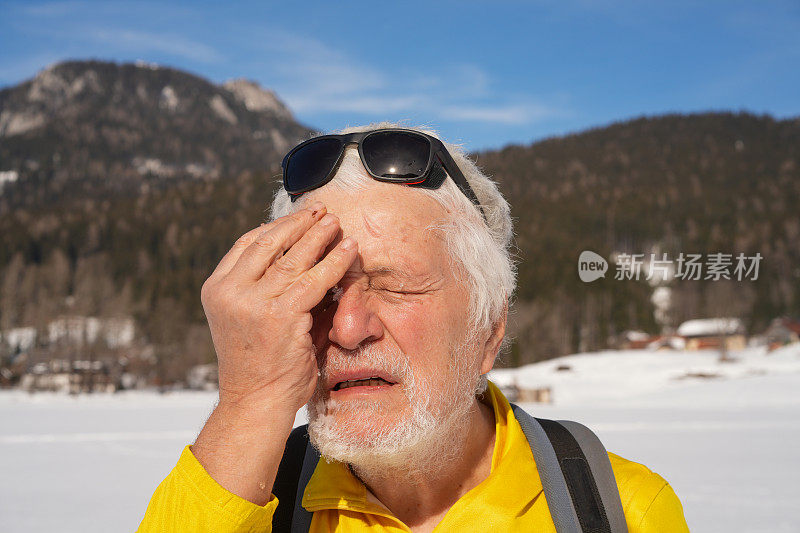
x,y
309,290
272,243
304,254
226,264
230,258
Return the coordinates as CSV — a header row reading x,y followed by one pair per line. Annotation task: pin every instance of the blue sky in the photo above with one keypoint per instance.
x,y
483,73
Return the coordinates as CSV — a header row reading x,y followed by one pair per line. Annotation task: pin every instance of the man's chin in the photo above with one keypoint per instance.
x,y
357,420
378,444
364,433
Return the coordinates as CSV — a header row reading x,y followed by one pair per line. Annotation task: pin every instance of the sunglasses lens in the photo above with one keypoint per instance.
x,y
310,165
398,155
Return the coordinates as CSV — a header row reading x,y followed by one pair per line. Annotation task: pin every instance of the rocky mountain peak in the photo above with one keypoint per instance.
x,y
111,125
256,98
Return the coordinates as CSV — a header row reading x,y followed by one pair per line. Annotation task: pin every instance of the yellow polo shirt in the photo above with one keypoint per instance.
x,y
509,499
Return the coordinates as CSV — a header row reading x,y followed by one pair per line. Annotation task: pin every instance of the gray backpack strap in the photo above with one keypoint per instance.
x,y
571,478
597,456
555,486
301,519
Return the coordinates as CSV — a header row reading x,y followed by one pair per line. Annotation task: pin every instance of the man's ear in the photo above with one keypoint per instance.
x,y
492,344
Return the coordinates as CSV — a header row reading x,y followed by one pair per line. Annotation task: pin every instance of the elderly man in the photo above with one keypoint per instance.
x,y
377,297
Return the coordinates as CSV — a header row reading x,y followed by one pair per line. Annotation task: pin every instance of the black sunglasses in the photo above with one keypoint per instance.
x,y
393,155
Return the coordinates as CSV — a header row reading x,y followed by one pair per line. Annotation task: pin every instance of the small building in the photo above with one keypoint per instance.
x,y
635,340
640,340
72,377
18,340
667,342
515,393
713,333
782,331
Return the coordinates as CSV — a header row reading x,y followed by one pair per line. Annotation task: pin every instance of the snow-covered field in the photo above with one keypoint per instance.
x,y
727,444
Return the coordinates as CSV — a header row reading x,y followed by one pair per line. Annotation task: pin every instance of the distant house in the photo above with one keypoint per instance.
x,y
515,393
73,377
78,330
639,340
18,340
71,353
71,330
634,340
667,342
713,333
782,331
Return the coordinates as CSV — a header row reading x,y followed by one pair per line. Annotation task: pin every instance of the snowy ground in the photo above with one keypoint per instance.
x,y
726,444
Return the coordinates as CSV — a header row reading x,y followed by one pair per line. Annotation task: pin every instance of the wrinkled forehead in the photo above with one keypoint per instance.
x,y
395,225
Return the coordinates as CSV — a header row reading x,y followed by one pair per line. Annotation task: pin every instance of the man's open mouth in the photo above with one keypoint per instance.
x,y
366,382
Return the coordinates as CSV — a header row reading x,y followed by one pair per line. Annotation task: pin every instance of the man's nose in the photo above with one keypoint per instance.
x,y
354,323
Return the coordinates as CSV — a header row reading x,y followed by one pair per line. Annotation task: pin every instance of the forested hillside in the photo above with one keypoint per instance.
x,y
707,183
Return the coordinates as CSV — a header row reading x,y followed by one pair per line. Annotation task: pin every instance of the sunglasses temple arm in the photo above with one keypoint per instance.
x,y
458,177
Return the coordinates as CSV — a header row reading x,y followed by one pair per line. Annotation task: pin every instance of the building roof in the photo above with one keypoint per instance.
x,y
708,327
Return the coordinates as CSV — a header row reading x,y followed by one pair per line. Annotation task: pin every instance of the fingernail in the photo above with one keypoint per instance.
x,y
349,243
327,220
315,208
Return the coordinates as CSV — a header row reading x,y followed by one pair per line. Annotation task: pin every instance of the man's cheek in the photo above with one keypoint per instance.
x,y
417,332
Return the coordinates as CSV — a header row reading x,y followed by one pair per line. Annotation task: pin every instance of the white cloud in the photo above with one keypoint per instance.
x,y
356,104
313,68
313,77
76,24
502,114
155,42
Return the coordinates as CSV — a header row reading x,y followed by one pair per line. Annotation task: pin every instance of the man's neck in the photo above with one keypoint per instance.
x,y
421,497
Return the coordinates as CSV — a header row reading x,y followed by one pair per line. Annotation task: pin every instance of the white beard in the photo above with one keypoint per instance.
x,y
427,435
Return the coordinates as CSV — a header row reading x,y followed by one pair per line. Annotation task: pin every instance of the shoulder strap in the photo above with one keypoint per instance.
x,y
297,465
573,470
597,457
301,521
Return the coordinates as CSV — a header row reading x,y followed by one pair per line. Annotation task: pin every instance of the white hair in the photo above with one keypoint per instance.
x,y
479,244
